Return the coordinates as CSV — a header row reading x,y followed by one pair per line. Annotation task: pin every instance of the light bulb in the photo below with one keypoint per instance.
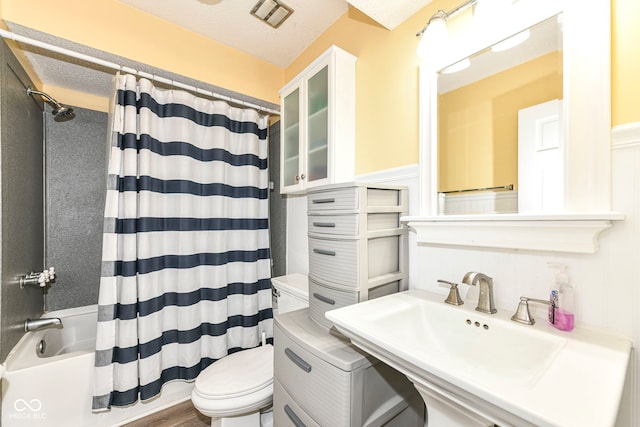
x,y
434,38
488,13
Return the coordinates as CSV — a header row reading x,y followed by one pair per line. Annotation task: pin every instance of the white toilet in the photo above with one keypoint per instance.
x,y
237,390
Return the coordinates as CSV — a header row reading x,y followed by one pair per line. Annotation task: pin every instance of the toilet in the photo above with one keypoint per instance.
x,y
237,390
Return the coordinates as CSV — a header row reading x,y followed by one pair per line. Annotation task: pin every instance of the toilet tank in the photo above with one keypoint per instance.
x,y
290,292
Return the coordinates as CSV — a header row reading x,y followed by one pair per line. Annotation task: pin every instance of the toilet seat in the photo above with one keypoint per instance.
x,y
236,384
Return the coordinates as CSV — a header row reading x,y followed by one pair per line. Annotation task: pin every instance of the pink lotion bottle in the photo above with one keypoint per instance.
x,y
565,308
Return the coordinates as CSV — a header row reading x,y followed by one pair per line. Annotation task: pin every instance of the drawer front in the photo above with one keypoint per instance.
x,y
334,260
383,221
383,255
286,412
320,389
341,199
383,197
323,298
342,225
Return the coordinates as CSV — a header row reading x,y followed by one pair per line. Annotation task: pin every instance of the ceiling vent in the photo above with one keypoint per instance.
x,y
272,12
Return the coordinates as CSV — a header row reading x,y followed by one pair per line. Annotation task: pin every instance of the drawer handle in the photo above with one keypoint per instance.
x,y
324,299
297,360
325,224
293,417
324,252
318,201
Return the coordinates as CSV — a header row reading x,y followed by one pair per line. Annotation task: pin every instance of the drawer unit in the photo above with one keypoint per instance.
x,y
287,411
325,298
327,401
356,196
354,262
353,224
339,199
322,379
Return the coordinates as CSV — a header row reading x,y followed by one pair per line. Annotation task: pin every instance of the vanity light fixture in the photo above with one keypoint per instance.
x,y
272,12
488,14
434,35
485,15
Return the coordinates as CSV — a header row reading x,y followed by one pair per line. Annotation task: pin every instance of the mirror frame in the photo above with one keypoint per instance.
x,y
587,133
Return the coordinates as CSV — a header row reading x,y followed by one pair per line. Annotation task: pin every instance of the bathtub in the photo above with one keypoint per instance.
x,y
48,379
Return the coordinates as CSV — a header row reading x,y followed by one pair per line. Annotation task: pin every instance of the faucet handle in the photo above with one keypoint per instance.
x,y
454,295
523,315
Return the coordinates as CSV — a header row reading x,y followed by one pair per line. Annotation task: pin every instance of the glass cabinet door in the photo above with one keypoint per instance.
x,y
317,125
291,139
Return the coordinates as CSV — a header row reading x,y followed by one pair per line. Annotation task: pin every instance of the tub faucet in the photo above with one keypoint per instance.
x,y
485,299
44,323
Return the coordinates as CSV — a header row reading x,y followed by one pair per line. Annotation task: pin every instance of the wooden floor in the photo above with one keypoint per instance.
x,y
180,415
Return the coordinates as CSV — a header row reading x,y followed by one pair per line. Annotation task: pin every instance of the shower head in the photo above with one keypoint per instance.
x,y
61,113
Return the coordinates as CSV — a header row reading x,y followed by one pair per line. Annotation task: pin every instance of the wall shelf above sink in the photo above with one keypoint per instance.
x,y
566,232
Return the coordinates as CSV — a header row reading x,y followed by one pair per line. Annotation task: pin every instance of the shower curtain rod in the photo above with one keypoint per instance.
x,y
52,48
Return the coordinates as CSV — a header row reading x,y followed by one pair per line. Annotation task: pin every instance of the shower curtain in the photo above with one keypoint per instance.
x,y
185,265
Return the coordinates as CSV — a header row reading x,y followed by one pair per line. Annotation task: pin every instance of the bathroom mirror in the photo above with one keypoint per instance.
x,y
479,109
586,107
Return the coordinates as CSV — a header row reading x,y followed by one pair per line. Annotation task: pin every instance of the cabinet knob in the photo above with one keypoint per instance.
x,y
302,176
297,178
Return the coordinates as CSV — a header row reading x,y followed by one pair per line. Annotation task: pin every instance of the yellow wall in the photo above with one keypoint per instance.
x,y
625,62
478,123
387,79
117,28
387,68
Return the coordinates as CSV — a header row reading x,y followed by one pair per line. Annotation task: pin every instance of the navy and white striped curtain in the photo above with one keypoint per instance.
x,y
186,269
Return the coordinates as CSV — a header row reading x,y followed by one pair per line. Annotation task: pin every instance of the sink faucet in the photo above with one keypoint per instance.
x,y
43,323
485,300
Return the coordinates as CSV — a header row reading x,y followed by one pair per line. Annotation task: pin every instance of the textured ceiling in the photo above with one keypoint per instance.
x,y
229,22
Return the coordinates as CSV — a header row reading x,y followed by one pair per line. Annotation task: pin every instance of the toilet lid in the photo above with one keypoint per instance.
x,y
238,374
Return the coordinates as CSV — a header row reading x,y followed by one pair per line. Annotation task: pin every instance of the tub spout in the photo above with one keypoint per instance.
x,y
38,324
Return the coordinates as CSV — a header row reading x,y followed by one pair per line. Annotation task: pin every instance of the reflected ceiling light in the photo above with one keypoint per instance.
x,y
458,66
511,41
273,12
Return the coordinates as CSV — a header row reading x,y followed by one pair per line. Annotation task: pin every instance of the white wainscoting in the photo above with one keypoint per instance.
x,y
491,202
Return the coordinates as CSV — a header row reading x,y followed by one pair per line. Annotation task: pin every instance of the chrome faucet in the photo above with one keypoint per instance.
x,y
485,299
43,323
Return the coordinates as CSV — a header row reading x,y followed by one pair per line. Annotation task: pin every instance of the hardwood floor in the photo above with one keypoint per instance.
x,y
180,415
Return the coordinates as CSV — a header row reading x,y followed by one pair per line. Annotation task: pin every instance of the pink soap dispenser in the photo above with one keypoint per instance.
x,y
563,316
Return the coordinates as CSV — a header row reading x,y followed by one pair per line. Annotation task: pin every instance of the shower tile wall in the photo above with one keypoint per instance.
x,y
20,199
76,164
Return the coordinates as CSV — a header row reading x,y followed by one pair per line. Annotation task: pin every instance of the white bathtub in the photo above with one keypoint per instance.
x,y
53,387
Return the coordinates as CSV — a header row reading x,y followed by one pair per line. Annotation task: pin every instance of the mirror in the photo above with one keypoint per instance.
x,y
585,112
479,110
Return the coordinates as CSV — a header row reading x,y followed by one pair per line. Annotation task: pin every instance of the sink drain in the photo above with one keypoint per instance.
x,y
42,347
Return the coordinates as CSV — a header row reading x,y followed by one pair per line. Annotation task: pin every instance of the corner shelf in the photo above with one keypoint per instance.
x,y
566,232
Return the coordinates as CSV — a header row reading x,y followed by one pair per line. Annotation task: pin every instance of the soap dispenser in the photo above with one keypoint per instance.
x,y
563,316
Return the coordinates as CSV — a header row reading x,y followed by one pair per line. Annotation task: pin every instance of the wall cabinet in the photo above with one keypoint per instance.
x,y
318,124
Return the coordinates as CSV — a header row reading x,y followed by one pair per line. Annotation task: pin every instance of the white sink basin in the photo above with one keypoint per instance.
x,y
511,374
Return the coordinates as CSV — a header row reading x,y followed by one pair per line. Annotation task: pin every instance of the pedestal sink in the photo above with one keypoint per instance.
x,y
477,369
